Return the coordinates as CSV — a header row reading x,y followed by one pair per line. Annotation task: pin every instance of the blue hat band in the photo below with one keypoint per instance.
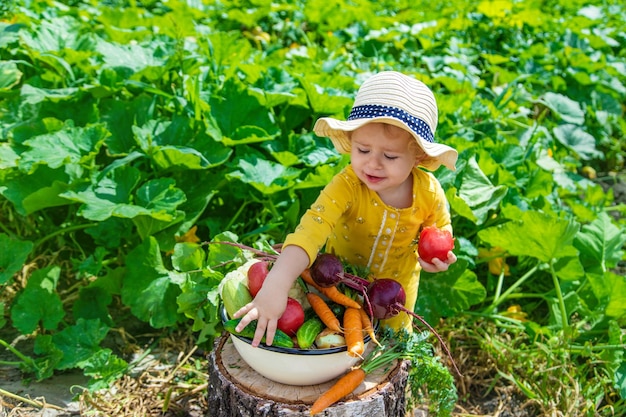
x,y
370,111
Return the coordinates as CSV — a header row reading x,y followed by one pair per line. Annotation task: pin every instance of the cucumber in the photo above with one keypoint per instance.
x,y
307,333
281,338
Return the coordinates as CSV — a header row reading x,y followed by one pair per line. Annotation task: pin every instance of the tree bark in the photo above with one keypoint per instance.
x,y
236,390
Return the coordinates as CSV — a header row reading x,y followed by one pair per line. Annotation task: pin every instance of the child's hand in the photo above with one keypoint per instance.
x,y
266,309
438,265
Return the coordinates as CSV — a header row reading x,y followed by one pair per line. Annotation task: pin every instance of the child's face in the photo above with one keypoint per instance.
x,y
383,156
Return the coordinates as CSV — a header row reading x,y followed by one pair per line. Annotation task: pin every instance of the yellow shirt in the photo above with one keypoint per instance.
x,y
357,226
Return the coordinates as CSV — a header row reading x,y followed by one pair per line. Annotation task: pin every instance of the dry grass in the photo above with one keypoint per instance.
x,y
170,383
504,375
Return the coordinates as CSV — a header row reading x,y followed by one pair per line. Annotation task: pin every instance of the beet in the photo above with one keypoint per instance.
x,y
327,270
386,298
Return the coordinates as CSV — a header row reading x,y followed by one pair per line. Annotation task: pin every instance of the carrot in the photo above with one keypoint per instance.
x,y
337,296
395,346
306,276
367,326
353,332
344,386
323,311
332,293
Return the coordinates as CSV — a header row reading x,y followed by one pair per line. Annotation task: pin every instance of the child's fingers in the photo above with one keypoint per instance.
x,y
451,258
437,265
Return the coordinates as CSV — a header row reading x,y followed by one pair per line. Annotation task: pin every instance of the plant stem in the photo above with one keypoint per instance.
x,y
7,231
62,231
559,295
11,363
497,301
236,216
619,207
25,359
499,285
27,401
593,348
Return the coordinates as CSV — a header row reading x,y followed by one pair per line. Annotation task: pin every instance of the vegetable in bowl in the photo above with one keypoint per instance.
x,y
284,362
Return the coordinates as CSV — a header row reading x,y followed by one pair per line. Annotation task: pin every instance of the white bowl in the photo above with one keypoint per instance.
x,y
294,366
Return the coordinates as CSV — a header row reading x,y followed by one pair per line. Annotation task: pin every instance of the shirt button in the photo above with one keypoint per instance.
x,y
388,230
393,215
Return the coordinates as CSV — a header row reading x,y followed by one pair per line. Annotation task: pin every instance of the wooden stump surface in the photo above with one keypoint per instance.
x,y
235,389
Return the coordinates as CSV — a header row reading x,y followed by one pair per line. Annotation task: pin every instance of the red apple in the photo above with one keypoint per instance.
x,y
434,243
256,275
292,318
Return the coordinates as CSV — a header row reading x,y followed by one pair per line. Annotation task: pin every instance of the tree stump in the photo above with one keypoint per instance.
x,y
235,389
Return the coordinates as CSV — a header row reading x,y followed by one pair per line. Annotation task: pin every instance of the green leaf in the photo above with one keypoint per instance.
x,y
10,75
79,342
111,232
134,56
319,177
8,156
568,110
569,268
49,356
266,176
610,289
176,144
239,114
121,118
148,225
9,33
39,303
223,253
37,190
245,135
160,197
69,146
109,196
34,95
540,183
275,87
534,234
168,157
13,255
103,367
92,304
578,141
326,100
446,293
478,192
224,48
200,302
188,256
148,288
459,205
54,34
600,243
112,195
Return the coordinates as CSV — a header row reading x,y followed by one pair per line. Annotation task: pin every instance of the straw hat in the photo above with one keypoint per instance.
x,y
397,99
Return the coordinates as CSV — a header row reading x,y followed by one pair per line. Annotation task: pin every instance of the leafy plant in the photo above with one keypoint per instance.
x,y
131,141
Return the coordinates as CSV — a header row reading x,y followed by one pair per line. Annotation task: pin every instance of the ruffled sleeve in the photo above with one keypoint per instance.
x,y
320,219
